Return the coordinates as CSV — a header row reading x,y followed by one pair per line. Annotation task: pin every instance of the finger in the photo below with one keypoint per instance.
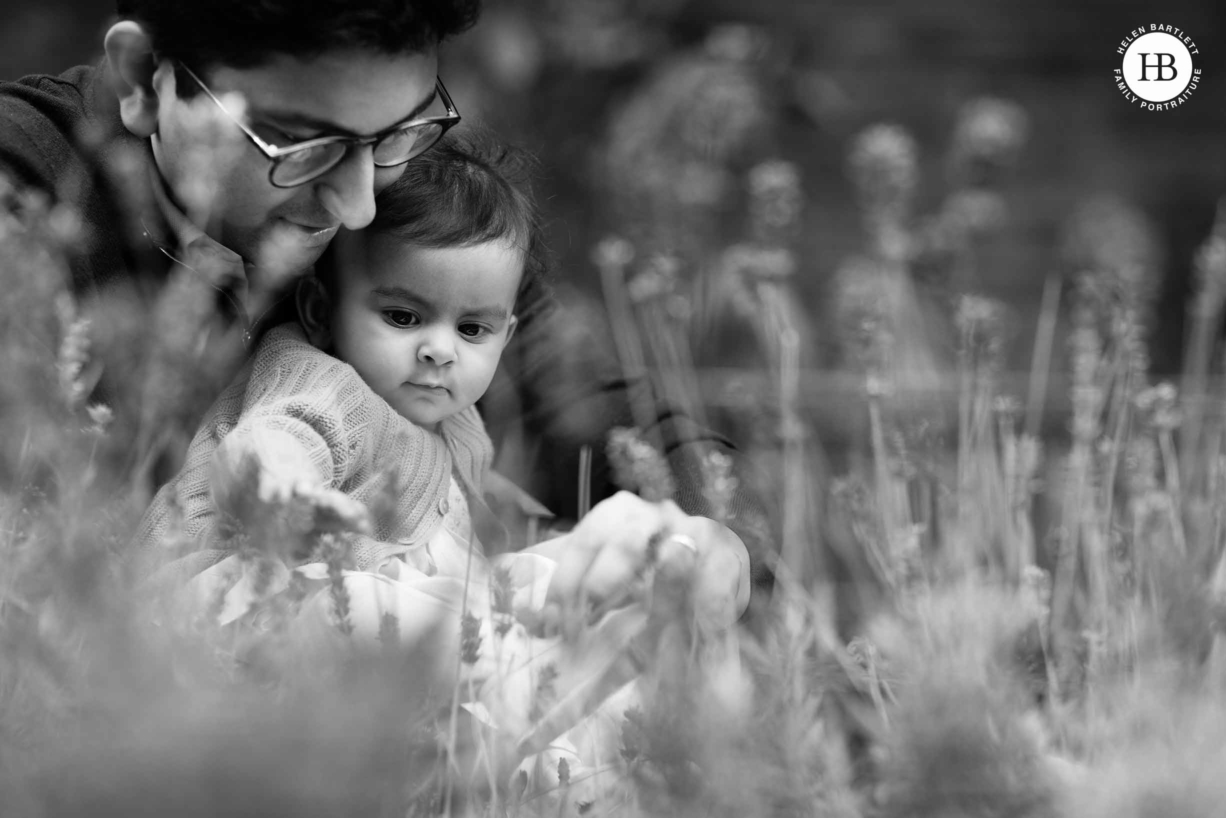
x,y
620,518
574,560
673,580
716,586
620,571
721,577
678,553
610,580
619,567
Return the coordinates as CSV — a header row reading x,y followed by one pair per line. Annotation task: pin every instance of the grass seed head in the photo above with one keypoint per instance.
x,y
884,169
638,466
990,130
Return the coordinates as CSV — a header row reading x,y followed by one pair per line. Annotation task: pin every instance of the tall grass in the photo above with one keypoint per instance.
x,y
966,620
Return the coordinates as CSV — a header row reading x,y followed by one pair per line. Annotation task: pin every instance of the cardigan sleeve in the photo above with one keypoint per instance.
x,y
291,419
303,414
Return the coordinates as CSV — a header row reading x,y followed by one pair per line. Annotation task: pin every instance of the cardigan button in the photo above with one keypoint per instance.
x,y
443,506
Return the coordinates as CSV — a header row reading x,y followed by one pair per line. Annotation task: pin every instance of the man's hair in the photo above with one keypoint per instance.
x,y
247,33
468,189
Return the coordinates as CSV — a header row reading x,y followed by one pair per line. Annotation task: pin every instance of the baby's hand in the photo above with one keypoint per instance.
x,y
267,468
256,476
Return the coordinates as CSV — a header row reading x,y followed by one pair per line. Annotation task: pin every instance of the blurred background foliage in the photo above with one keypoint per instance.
x,y
647,113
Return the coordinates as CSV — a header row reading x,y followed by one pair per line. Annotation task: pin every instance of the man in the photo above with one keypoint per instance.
x,y
224,143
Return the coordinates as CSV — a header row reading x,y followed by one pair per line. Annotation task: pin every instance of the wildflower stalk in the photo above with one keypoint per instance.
x,y
1020,460
1040,363
719,485
1205,310
1121,423
775,204
612,257
585,487
881,470
1086,358
965,400
1170,470
336,586
454,719
794,541
73,352
1215,669
660,311
982,494
1216,490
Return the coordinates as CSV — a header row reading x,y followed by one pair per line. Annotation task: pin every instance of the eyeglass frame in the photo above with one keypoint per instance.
x,y
275,154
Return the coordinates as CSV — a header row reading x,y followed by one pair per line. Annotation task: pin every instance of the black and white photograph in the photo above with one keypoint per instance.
x,y
612,408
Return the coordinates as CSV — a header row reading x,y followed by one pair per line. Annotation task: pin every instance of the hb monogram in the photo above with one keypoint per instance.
x,y
1160,65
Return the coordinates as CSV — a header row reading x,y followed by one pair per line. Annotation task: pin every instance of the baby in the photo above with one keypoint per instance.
x,y
368,400
399,335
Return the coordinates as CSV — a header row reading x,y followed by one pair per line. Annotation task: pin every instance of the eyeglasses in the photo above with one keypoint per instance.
x,y
299,163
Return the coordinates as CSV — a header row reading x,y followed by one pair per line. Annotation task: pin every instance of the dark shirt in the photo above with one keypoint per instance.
x,y
63,135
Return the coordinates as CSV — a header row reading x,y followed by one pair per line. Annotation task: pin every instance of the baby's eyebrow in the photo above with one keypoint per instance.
x,y
486,313
395,291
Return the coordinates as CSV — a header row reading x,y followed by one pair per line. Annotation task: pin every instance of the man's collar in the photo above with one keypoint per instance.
x,y
184,241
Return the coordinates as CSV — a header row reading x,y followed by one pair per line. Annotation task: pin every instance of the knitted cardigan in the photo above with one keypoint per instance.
x,y
349,435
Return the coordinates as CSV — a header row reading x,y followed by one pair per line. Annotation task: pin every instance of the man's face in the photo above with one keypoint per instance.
x,y
221,178
425,327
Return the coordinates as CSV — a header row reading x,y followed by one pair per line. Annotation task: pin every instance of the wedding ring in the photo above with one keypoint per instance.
x,y
686,541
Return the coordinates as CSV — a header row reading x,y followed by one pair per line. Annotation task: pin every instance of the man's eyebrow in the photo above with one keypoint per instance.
x,y
297,119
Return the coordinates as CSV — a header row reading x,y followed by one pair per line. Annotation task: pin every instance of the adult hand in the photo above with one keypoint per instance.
x,y
609,558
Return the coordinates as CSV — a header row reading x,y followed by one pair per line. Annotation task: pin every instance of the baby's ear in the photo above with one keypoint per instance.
x,y
315,311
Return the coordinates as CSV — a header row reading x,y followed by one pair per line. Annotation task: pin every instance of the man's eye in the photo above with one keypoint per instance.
x,y
309,156
473,330
400,318
278,137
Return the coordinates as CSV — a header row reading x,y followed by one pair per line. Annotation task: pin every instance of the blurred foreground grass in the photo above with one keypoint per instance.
x,y
975,612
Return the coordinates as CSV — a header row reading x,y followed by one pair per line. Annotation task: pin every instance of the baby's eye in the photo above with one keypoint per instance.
x,y
473,330
400,318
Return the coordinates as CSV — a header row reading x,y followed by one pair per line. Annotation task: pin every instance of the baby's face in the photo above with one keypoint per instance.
x,y
425,327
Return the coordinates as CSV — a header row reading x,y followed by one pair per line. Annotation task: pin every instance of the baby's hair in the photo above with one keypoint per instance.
x,y
468,189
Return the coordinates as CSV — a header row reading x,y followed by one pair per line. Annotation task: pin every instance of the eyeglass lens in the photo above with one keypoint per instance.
x,y
396,148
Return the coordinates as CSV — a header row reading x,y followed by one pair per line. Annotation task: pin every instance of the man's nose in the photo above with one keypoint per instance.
x,y
437,347
348,190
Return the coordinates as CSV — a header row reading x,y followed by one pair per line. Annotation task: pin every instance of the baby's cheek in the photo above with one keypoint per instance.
x,y
484,375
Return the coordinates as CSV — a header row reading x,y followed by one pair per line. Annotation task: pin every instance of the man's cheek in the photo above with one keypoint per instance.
x,y
255,202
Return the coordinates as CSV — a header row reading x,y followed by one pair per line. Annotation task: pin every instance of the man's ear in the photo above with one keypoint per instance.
x,y
129,50
511,325
314,311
